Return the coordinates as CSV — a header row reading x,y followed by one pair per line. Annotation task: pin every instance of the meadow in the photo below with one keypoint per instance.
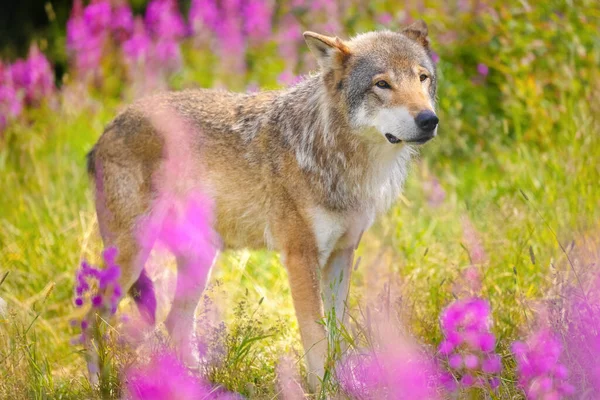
x,y
504,205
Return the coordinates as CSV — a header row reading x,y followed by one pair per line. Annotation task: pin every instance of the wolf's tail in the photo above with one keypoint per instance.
x,y
91,162
144,296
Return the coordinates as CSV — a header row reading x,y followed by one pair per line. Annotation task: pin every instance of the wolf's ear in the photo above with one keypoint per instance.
x,y
417,32
331,52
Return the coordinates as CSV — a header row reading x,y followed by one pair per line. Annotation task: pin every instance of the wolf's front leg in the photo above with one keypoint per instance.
x,y
304,284
335,278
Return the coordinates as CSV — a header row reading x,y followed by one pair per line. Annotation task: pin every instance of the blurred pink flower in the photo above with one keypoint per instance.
x,y
11,102
468,344
288,380
122,22
385,18
482,69
289,38
164,20
473,243
434,191
288,78
167,54
541,375
164,377
85,36
97,16
397,372
257,19
34,75
204,15
137,49
181,220
395,368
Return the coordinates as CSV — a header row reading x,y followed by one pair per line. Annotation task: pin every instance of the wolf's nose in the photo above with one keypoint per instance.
x,y
427,120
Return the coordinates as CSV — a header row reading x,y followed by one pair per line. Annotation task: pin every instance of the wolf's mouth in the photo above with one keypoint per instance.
x,y
392,139
421,140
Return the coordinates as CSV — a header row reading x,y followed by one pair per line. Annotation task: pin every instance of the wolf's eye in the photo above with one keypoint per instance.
x,y
423,77
383,85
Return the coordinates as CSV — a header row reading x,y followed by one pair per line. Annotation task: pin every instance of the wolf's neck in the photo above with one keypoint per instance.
x,y
346,171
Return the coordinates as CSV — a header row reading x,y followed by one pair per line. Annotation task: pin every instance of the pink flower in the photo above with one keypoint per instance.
x,y
165,377
472,240
11,102
257,19
137,49
167,52
434,191
164,20
288,380
398,374
97,16
108,293
482,69
41,76
468,343
87,34
395,368
288,78
540,373
122,22
385,18
204,15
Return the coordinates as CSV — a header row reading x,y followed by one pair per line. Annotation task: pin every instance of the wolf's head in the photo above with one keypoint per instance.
x,y
386,82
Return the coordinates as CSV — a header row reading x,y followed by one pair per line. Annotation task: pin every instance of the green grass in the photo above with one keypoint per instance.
x,y
517,155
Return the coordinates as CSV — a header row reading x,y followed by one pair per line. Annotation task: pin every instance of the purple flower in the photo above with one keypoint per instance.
x,y
122,22
167,50
164,20
41,76
137,49
289,38
435,192
257,19
492,365
540,372
108,290
97,16
468,345
165,377
204,16
385,19
482,69
472,240
11,101
97,301
288,78
397,374
86,36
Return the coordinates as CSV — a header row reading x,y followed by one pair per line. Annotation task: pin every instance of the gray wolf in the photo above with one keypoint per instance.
x,y
304,170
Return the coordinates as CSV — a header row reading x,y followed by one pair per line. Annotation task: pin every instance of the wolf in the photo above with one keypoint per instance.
x,y
304,170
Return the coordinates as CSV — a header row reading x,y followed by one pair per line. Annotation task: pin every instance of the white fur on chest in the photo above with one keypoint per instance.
x,y
386,176
334,230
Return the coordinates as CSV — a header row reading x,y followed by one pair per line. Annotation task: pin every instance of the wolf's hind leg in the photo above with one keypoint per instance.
x,y
181,322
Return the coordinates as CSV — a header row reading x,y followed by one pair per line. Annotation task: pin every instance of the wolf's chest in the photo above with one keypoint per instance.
x,y
334,230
